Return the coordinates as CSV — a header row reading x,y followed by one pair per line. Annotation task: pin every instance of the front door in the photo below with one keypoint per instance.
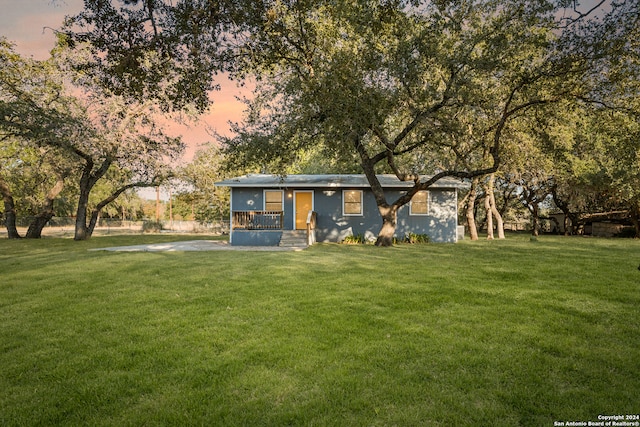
x,y
303,204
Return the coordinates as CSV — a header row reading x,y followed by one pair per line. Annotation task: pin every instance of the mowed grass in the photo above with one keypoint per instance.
x,y
499,333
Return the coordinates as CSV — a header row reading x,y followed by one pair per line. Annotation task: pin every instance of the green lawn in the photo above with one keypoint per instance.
x,y
500,333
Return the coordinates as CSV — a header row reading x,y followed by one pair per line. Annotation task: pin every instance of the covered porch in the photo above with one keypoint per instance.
x,y
267,228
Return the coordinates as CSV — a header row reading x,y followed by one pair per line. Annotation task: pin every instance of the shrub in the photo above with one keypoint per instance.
x,y
354,240
152,227
414,238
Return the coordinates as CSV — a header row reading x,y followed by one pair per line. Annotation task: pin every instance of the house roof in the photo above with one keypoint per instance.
x,y
335,181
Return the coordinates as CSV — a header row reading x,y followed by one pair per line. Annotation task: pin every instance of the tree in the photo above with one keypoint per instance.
x,y
125,145
587,155
105,138
52,171
562,150
612,123
207,202
35,178
155,50
469,208
618,115
601,171
34,123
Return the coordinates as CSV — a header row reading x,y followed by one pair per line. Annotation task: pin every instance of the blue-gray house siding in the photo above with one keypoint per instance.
x,y
247,194
440,224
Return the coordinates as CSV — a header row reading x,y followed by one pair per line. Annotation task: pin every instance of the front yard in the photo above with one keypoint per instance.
x,y
479,333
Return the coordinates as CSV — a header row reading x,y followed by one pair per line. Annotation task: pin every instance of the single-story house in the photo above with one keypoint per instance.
x,y
268,209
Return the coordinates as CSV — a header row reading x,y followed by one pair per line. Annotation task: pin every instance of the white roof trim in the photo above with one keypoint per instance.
x,y
328,181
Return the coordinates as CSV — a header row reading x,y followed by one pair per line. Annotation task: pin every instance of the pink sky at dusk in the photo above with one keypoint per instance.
x,y
29,25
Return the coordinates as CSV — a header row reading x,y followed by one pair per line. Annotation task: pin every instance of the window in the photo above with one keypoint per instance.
x,y
419,203
352,202
273,200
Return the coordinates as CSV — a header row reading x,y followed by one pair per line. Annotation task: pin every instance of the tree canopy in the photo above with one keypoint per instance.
x,y
415,88
49,111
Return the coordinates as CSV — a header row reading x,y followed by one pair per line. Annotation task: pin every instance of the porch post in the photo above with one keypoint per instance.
x,y
231,216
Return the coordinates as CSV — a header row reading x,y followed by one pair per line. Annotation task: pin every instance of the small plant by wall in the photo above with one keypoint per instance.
x,y
410,238
354,240
414,238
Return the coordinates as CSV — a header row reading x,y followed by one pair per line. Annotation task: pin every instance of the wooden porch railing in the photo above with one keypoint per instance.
x,y
258,220
311,227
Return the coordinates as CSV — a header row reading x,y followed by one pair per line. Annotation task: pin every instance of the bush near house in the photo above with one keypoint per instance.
x,y
414,238
357,239
411,238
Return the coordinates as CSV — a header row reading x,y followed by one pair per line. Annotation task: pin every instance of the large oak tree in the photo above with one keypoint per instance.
x,y
397,82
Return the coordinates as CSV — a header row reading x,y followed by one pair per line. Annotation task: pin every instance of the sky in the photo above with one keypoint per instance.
x,y
29,25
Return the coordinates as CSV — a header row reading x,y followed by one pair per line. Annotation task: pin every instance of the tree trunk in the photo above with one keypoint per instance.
x,y
487,208
635,218
93,221
389,216
535,220
568,216
95,213
498,218
493,209
9,211
470,212
389,213
87,182
37,225
46,213
564,207
81,231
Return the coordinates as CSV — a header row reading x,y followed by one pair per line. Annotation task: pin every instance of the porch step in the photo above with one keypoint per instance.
x,y
294,238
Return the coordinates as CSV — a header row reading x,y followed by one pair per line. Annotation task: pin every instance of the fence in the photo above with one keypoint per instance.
x,y
65,226
258,220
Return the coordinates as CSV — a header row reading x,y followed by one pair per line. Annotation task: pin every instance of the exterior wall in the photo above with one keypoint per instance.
x,y
332,226
608,229
252,199
441,224
256,238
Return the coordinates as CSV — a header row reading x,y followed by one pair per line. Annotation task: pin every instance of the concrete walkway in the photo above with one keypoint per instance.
x,y
196,245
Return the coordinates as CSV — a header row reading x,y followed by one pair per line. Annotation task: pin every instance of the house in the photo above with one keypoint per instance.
x,y
266,210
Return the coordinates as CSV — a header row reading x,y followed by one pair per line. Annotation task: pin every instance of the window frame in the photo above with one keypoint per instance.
x,y
264,200
427,202
344,202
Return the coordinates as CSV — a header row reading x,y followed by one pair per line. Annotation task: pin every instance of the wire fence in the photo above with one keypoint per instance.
x,y
65,226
